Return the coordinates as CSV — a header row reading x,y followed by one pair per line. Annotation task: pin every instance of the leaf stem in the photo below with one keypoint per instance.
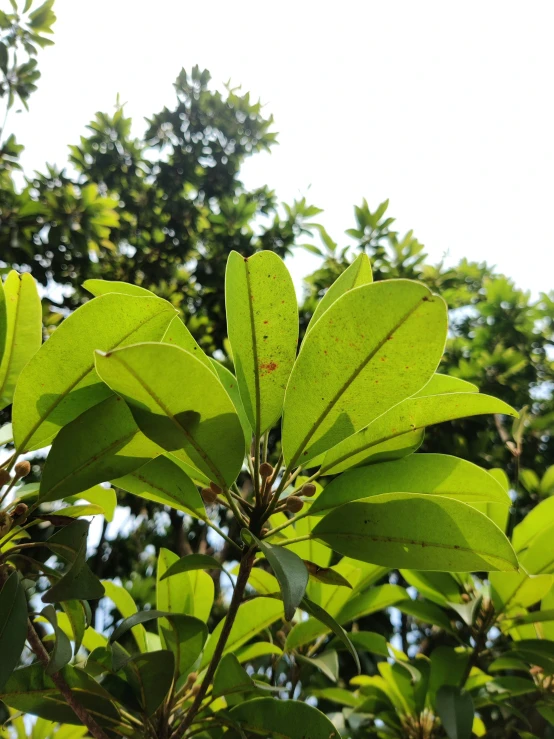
x,y
286,542
245,568
59,681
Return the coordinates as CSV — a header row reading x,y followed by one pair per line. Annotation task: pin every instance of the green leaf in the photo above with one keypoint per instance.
x,y
430,474
250,652
188,592
420,531
78,583
448,666
253,617
127,607
22,333
150,676
455,709
327,663
426,612
196,416
103,443
283,719
321,615
358,273
365,641
31,691
13,626
163,481
74,611
510,589
60,383
363,349
100,496
409,417
262,323
3,311
326,575
105,287
193,562
289,570
186,637
6,434
229,382
540,518
61,654
178,334
231,677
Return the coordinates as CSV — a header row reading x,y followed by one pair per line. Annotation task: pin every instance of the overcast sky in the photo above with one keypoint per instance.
x,y
446,108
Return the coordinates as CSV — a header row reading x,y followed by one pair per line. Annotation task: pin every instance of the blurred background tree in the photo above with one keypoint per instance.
x,y
165,209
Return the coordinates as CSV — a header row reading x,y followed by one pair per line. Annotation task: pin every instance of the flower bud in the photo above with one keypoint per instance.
x,y
208,496
294,504
308,490
20,510
215,488
5,523
195,689
4,477
266,470
22,468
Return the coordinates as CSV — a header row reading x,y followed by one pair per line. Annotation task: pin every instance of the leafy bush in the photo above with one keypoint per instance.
x,y
123,393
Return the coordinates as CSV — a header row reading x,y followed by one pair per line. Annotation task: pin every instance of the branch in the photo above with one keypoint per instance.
x,y
59,681
246,563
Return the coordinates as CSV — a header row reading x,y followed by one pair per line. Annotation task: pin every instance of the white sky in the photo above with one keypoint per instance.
x,y
446,108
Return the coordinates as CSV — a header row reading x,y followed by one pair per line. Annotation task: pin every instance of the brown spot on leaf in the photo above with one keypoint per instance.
x,y
268,366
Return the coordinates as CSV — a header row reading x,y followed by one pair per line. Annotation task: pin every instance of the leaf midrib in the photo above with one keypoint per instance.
x,y
65,393
11,347
254,350
192,441
331,404
418,542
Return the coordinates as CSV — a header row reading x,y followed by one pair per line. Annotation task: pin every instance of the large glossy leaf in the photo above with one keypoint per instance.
x,y
162,480
104,287
229,382
352,608
60,383
103,443
253,617
284,719
185,635
22,335
511,589
13,625
289,570
150,676
123,601
429,474
409,417
358,361
179,403
534,523
321,615
231,677
179,335
455,709
262,322
190,592
358,273
3,321
192,562
31,691
78,582
420,531
61,653
538,557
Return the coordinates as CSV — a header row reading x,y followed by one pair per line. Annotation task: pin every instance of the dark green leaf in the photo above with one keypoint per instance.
x,y
289,570
151,675
321,615
61,654
193,562
455,709
13,625
284,719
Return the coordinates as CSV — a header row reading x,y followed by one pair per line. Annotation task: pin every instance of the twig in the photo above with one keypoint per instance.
x,y
59,681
